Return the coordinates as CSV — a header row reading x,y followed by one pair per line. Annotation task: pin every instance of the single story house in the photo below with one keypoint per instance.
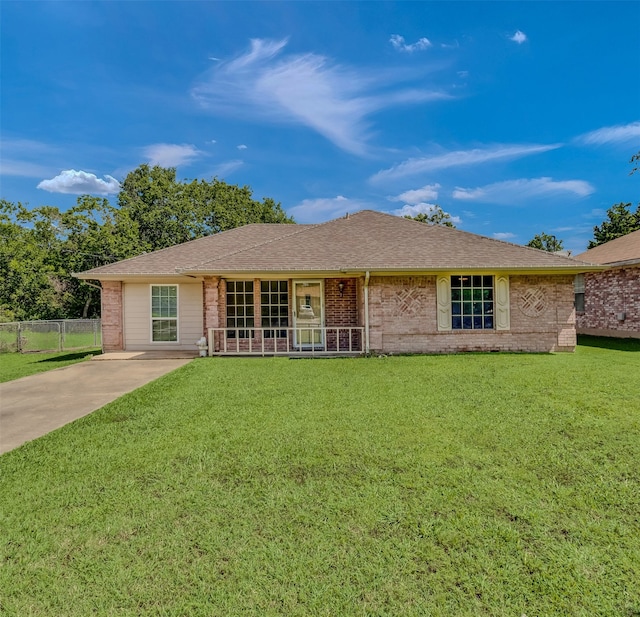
x,y
366,282
608,302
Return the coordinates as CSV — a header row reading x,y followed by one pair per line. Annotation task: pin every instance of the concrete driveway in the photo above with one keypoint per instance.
x,y
33,406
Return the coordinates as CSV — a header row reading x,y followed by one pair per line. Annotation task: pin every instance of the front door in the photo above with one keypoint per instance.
x,y
308,314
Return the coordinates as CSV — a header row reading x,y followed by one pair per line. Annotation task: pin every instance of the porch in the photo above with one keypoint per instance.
x,y
286,341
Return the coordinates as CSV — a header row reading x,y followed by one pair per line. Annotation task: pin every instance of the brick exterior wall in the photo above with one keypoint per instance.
x,y
111,316
606,295
403,317
341,310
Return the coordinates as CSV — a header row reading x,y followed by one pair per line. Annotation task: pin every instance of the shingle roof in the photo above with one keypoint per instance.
x,y
622,249
366,240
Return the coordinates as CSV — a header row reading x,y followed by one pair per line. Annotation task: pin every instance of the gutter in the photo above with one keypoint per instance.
x,y
366,312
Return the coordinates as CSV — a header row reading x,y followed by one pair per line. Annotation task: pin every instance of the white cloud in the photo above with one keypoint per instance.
x,y
79,183
503,235
171,155
306,89
325,208
399,44
519,37
514,192
460,158
423,208
416,196
241,147
226,169
612,134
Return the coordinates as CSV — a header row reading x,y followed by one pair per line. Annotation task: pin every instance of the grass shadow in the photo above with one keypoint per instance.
x,y
617,344
70,357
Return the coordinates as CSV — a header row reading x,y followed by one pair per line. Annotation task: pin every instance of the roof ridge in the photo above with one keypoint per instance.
x,y
303,228
462,231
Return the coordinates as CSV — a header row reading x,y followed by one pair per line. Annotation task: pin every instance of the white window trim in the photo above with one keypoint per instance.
x,y
502,320
152,319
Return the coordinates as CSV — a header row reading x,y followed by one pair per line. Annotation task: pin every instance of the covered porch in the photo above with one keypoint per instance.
x,y
286,317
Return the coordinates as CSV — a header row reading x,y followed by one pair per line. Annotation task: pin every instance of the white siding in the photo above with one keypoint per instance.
x,y
137,317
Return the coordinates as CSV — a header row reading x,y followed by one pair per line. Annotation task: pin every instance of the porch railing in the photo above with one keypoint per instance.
x,y
286,341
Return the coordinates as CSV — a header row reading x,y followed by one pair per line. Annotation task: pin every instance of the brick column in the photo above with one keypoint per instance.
x,y
211,292
111,316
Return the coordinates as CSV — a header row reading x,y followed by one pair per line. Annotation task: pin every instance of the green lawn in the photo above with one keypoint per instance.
x,y
498,484
16,365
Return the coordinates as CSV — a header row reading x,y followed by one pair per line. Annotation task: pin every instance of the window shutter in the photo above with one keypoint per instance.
x,y
503,320
443,293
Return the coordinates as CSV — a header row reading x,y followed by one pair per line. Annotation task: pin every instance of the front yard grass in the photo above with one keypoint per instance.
x,y
16,365
446,485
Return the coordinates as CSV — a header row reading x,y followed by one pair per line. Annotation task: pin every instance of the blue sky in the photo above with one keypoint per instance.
x,y
514,117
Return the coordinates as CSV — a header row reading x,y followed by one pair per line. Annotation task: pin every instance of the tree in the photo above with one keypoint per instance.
x,y
620,222
29,287
435,216
167,211
545,242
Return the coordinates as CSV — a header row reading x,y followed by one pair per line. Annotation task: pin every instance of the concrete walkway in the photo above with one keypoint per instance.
x,y
33,406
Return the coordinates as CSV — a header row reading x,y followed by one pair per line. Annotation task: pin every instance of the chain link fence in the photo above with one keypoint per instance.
x,y
53,335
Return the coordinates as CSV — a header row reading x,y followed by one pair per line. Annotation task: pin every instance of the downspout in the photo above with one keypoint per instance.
x,y
366,312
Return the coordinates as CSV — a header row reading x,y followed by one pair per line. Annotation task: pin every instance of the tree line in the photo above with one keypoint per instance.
x,y
40,248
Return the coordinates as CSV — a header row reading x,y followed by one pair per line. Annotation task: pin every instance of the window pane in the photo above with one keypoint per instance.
x,y
455,281
164,330
472,304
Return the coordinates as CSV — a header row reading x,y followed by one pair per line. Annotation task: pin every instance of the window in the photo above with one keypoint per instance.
x,y
578,290
240,317
472,302
274,307
164,313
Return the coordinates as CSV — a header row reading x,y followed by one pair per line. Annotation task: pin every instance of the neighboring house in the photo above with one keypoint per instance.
x,y
365,282
608,302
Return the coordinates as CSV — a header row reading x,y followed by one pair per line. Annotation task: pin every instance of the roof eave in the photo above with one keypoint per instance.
x,y
359,271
